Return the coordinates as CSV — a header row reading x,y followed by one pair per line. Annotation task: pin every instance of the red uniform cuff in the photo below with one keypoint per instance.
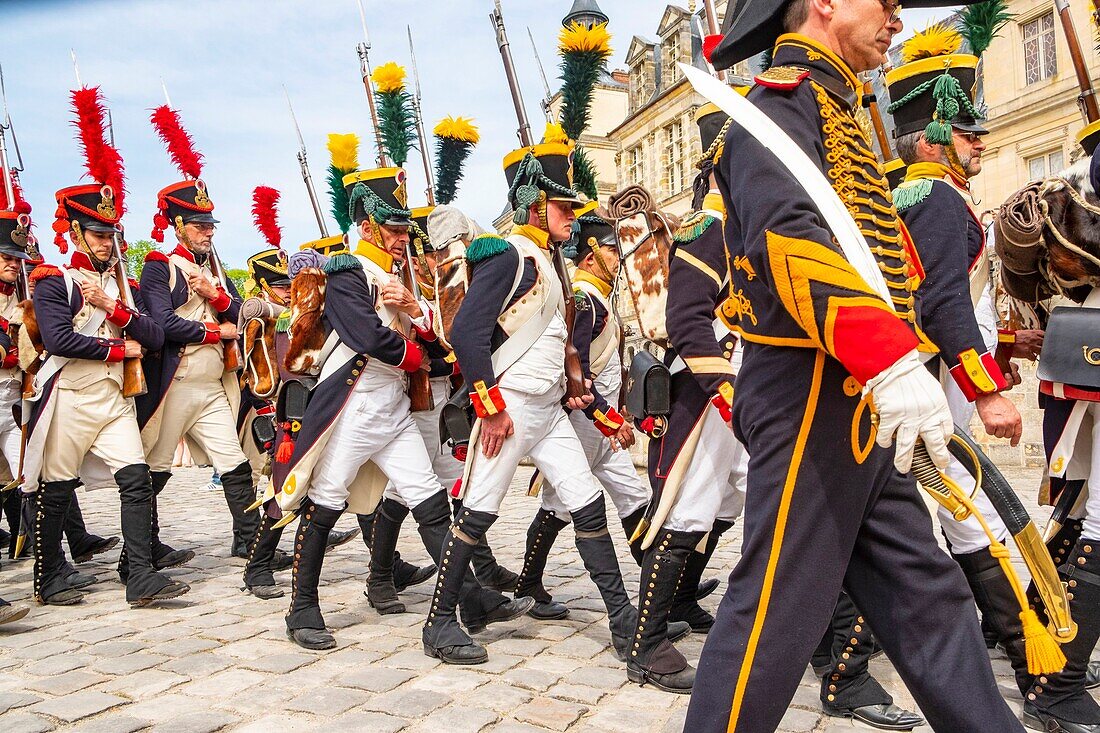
x,y
11,359
978,374
116,351
1006,336
222,302
268,409
121,315
608,422
213,333
724,401
414,357
487,401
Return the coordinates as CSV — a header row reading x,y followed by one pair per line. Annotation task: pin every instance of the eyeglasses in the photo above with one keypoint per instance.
x,y
892,10
204,227
970,137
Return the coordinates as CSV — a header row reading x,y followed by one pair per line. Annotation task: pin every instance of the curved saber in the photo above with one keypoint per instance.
x,y
804,170
1023,530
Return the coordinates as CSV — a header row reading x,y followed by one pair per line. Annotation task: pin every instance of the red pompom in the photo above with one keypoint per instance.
x,y
265,214
285,450
709,44
160,223
181,147
456,490
647,425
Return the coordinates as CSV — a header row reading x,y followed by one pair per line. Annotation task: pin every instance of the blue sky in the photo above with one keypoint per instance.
x,y
224,62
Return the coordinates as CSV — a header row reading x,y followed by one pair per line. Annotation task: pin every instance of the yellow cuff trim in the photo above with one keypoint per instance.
x,y
972,364
486,400
708,365
726,390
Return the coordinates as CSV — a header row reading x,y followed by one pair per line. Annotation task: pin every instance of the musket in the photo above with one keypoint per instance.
x,y
712,27
1086,100
425,153
364,69
574,372
547,95
231,349
133,376
303,164
10,173
875,113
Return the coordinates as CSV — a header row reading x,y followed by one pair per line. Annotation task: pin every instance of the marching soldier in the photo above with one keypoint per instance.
x,y
825,507
358,430
193,389
510,337
956,306
79,415
266,365
603,432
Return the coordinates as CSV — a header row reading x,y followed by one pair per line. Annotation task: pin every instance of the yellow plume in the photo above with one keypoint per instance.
x,y
935,40
555,134
457,128
344,150
389,77
579,38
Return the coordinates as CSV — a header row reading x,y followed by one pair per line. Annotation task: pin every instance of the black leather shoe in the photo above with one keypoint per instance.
x,y
406,575
548,611
678,683
105,544
472,653
705,588
1036,719
281,561
168,592
315,639
264,592
78,580
173,559
883,716
507,612
678,630
335,539
67,597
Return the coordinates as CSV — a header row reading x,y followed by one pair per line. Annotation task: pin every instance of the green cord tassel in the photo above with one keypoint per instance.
x,y
486,246
341,263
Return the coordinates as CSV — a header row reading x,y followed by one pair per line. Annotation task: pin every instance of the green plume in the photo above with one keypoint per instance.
x,y
338,198
979,24
584,175
584,54
396,124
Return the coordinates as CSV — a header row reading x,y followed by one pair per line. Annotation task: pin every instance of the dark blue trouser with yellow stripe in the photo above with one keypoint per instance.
x,y
826,510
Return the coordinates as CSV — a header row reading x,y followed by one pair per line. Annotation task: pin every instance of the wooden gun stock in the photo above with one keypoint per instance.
x,y
231,355
420,389
133,378
574,372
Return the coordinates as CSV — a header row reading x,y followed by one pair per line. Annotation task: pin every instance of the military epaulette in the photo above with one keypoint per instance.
x,y
486,246
155,255
580,299
784,78
911,193
44,271
282,323
342,262
133,283
692,227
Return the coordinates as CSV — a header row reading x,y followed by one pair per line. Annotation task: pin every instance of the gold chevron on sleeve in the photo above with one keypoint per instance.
x,y
708,365
699,265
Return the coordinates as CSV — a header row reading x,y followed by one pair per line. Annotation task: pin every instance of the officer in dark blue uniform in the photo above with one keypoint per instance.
x,y
826,507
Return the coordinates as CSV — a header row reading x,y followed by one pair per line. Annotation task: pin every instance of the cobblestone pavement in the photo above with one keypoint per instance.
x,y
218,659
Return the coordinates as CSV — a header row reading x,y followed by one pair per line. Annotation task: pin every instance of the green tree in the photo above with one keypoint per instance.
x,y
238,276
135,256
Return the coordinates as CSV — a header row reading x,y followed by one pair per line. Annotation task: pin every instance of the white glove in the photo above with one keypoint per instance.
x,y
911,405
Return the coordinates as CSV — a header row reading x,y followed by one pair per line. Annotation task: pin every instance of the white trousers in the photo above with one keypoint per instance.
x,y
613,469
446,467
10,434
967,536
375,426
714,484
94,419
543,432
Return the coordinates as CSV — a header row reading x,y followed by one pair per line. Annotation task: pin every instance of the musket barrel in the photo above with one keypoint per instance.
x,y
1087,97
524,132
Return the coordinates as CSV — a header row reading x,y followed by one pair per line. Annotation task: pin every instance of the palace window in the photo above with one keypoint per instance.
x,y
634,165
674,157
1048,164
1040,55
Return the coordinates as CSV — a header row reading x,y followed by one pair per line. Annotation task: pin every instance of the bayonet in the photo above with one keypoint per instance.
x,y
167,99
303,164
364,69
76,68
545,101
425,154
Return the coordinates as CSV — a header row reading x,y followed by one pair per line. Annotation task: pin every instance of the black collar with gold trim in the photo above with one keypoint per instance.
x,y
825,67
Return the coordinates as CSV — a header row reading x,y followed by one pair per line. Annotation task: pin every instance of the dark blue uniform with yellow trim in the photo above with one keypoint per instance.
x,y
825,507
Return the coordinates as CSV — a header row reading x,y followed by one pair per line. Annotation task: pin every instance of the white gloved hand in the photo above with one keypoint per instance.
x,y
910,404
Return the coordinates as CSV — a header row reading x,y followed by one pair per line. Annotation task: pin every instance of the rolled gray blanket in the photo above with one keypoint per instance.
x,y
257,308
630,201
1018,237
448,223
303,259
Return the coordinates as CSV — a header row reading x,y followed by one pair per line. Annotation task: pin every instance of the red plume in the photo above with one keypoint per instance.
x,y
266,215
102,159
181,147
709,44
